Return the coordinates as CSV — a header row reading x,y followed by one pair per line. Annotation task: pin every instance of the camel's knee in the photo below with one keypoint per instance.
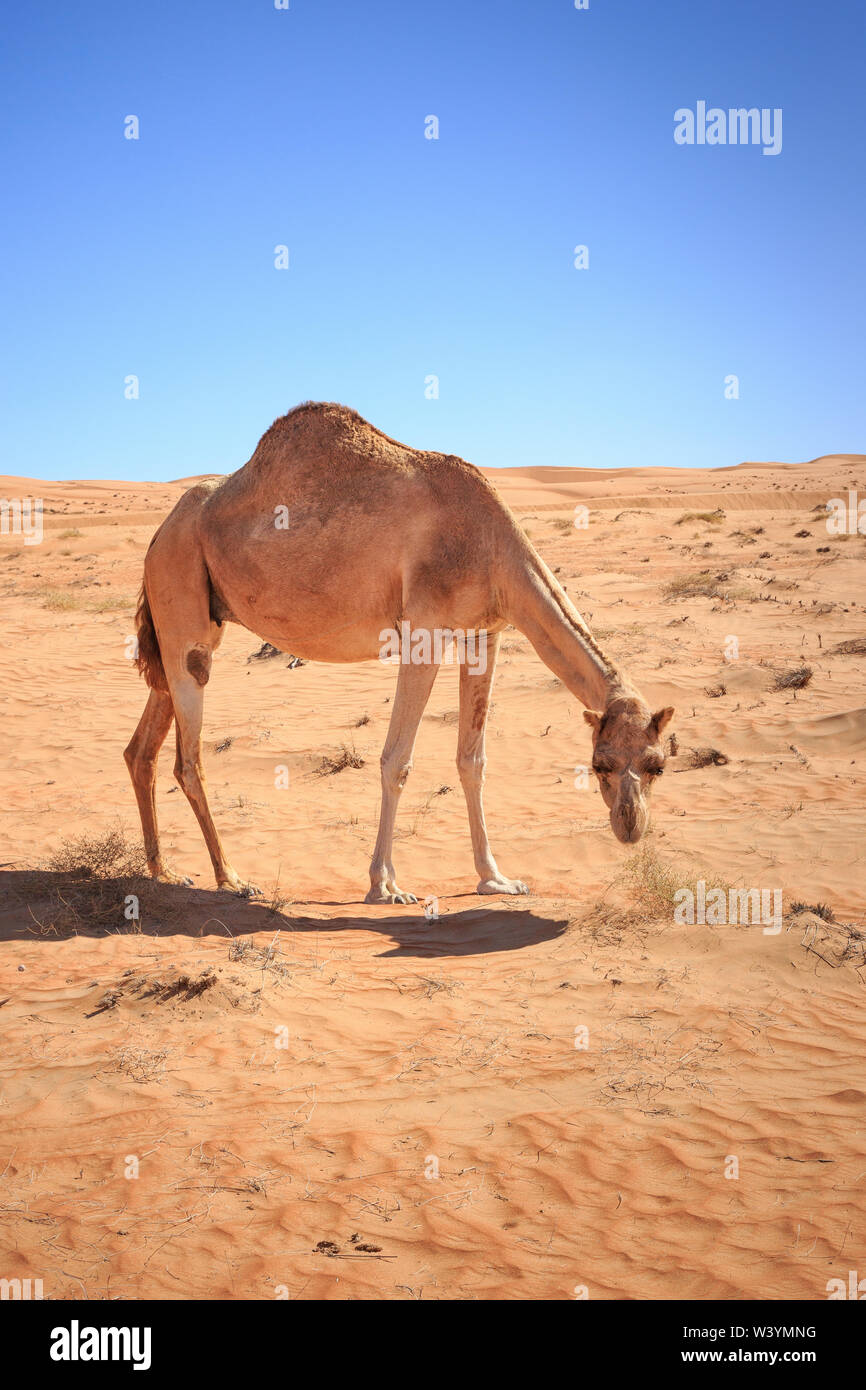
x,y
471,768
395,772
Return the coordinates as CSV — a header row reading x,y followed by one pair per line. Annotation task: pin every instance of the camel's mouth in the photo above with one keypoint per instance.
x,y
628,837
629,825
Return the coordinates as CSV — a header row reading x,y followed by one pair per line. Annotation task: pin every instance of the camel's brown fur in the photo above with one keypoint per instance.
x,y
379,534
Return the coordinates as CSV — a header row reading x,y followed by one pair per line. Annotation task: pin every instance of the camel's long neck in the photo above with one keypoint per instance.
x,y
539,607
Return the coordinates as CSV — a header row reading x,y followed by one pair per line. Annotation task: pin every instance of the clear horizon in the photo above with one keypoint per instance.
x,y
721,468
151,264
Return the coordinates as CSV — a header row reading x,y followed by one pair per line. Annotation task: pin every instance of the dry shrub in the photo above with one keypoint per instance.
x,y
347,757
795,679
822,910
714,517
652,882
111,855
62,601
704,584
140,1063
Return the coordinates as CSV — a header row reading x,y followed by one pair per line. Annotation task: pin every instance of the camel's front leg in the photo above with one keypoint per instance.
x,y
414,684
475,688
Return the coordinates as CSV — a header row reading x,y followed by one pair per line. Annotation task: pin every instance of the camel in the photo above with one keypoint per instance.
x,y
330,537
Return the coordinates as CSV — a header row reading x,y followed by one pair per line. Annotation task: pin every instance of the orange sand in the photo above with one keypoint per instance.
x,y
413,1047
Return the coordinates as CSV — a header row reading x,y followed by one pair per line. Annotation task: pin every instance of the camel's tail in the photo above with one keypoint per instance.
x,y
148,658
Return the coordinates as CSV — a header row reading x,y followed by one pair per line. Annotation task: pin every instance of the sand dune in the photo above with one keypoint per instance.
x,y
328,1100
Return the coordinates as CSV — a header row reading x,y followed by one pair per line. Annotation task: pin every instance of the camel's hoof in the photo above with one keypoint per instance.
x,y
169,876
384,895
501,885
239,888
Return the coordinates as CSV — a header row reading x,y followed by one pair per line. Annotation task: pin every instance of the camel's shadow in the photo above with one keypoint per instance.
x,y
42,906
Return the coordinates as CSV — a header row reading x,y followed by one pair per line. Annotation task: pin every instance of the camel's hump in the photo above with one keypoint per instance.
x,y
337,439
325,420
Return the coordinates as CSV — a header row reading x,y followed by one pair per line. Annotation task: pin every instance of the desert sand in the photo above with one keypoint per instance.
x,y
529,1098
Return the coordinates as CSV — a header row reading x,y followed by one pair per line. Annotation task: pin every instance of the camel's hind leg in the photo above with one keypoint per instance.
x,y
187,696
179,597
141,757
475,690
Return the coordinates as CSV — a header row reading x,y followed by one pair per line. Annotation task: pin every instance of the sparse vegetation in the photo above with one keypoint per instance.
x,y
62,601
347,757
706,757
653,882
141,1063
795,679
822,910
715,518
110,855
704,584
59,601
855,646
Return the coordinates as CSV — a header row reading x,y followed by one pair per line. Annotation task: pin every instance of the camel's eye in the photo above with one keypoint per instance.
x,y
656,771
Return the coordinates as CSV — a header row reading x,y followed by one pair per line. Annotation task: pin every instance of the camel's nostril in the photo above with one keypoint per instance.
x,y
628,823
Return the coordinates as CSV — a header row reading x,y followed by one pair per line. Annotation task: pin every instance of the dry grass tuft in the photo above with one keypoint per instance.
x,y
704,584
822,910
62,601
140,1063
347,757
855,646
112,855
652,882
714,518
795,679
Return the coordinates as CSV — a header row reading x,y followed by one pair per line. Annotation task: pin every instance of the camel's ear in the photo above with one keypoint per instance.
x,y
662,718
594,719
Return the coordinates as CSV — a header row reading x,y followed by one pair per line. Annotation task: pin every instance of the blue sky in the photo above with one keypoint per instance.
x,y
412,257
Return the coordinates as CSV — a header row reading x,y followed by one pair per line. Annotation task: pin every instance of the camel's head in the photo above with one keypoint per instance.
x,y
627,757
